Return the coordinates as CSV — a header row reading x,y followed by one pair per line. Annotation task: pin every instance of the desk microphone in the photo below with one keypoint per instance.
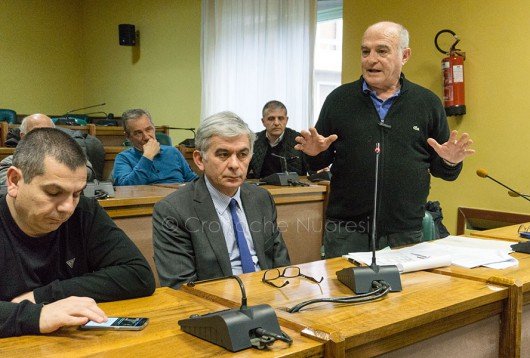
x,y
237,328
360,279
484,174
188,142
285,178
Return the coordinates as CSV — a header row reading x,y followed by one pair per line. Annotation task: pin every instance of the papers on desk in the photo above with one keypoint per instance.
x,y
404,259
452,250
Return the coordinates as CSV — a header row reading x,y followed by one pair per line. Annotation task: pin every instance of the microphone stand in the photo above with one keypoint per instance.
x,y
483,174
285,178
190,143
66,118
79,109
360,279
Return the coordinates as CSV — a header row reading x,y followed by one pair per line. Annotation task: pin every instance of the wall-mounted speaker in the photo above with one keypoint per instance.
x,y
127,34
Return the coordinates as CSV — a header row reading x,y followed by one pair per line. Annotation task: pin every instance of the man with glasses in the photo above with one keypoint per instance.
x,y
218,225
148,162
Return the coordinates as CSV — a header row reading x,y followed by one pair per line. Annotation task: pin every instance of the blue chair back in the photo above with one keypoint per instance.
x,y
71,120
163,139
8,115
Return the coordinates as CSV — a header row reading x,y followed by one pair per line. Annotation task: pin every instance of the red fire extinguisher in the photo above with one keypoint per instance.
x,y
453,74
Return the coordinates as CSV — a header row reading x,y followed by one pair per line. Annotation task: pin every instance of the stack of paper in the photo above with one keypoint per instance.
x,y
452,250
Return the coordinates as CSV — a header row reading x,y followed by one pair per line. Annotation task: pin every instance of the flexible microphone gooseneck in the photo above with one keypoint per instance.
x,y
283,161
79,109
241,286
484,174
361,279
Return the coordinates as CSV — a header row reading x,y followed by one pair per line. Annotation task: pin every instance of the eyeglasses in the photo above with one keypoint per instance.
x,y
287,272
523,228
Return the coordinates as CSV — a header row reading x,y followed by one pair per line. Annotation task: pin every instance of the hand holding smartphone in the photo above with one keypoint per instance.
x,y
118,323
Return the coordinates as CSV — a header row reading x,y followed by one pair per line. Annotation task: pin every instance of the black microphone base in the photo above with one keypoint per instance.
x,y
282,179
359,279
232,329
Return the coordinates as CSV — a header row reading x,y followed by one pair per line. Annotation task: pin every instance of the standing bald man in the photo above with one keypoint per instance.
x,y
408,121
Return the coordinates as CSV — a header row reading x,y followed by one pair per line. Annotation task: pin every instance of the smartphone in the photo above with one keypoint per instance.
x,y
119,323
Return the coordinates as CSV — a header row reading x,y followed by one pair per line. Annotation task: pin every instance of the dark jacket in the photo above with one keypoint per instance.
x,y
189,243
295,158
406,162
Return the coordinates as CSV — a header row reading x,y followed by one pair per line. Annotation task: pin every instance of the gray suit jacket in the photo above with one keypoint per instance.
x,y
188,240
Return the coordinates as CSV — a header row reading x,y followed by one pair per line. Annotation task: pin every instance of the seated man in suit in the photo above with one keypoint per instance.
x,y
218,225
60,252
148,162
275,140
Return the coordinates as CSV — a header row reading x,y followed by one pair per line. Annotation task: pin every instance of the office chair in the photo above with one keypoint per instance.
x,y
8,115
71,120
429,232
163,139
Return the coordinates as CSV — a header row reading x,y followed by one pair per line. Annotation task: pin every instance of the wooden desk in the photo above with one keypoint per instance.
x,y
300,219
6,152
132,210
187,152
136,200
110,155
480,219
435,315
503,233
161,338
518,277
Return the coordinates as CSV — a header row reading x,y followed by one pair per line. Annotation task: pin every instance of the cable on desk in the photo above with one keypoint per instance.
x,y
266,338
380,289
296,183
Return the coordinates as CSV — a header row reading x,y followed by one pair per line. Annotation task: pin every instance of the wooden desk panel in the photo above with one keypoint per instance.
x,y
132,210
503,233
300,219
136,200
161,338
429,305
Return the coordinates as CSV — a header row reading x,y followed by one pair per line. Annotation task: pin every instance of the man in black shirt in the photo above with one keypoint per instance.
x,y
56,245
408,126
276,140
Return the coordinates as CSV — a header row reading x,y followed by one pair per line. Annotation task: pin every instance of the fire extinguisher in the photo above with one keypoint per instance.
x,y
453,74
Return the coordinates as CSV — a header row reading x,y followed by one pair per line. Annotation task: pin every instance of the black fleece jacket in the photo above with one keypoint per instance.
x,y
295,159
406,161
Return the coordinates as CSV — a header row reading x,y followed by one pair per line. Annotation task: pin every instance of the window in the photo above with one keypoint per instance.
x,y
328,52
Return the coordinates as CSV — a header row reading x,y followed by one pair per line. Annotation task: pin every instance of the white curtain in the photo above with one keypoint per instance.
x,y
254,51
